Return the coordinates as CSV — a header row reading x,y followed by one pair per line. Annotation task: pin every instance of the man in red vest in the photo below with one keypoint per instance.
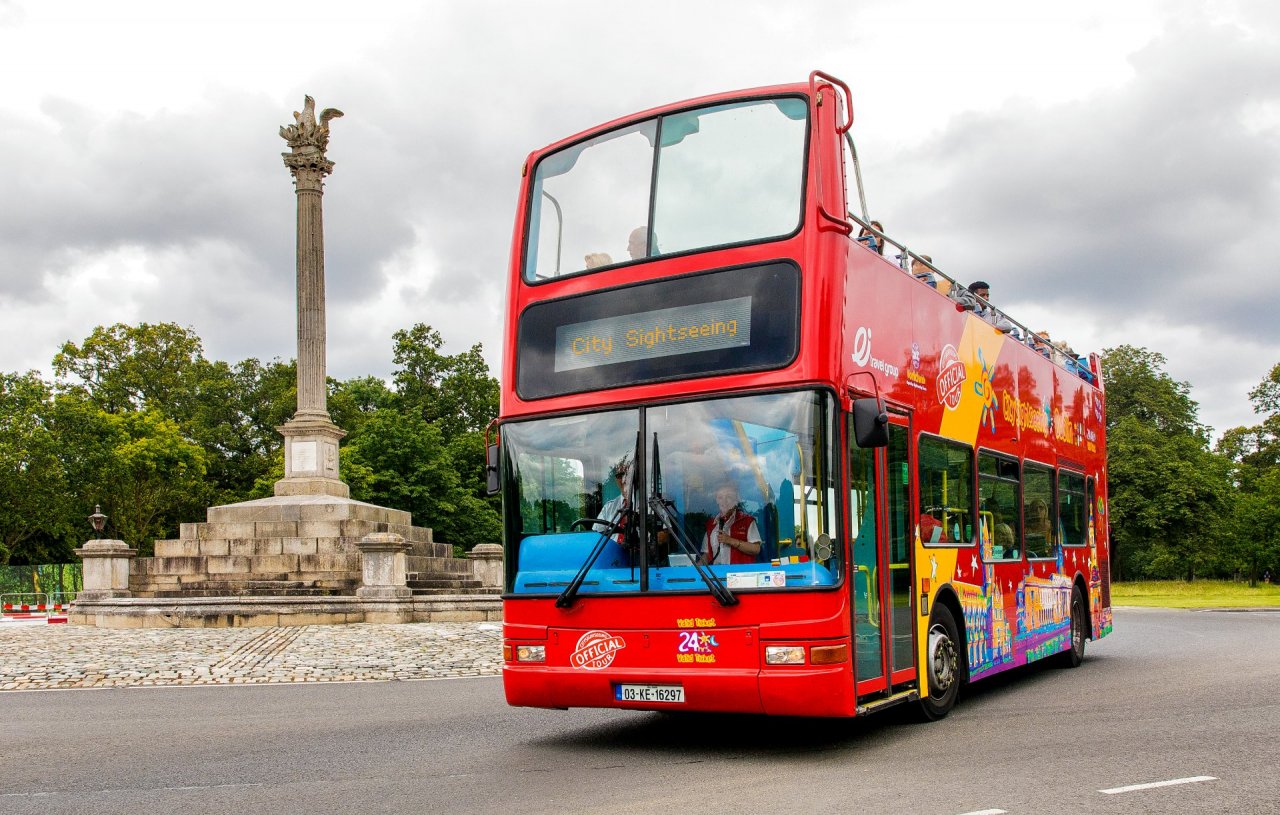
x,y
732,535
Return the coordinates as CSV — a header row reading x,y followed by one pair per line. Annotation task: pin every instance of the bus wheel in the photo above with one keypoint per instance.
x,y
943,665
1072,657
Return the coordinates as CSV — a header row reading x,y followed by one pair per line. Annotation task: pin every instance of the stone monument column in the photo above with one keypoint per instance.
x,y
310,437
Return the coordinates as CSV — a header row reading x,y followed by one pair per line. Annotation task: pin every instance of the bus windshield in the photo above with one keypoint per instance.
x,y
711,176
741,486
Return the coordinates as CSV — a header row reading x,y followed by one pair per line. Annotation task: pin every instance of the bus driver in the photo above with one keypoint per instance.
x,y
732,535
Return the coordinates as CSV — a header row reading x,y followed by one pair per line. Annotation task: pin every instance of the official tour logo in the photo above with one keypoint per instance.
x,y
595,650
951,377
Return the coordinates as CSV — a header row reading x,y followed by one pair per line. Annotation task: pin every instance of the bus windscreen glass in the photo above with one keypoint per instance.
x,y
712,176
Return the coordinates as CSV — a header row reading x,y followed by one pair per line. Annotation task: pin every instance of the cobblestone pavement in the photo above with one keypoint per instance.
x,y
34,657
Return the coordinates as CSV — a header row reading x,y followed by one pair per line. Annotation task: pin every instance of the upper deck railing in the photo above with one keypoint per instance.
x,y
967,299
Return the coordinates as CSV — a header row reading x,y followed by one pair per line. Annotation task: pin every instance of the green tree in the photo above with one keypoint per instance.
x,y
401,461
124,368
1255,454
230,411
456,392
34,505
138,465
1138,387
1169,493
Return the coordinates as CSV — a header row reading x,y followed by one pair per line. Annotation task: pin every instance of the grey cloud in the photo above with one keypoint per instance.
x,y
1143,200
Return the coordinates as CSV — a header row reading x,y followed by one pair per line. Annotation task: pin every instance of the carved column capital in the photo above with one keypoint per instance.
x,y
309,168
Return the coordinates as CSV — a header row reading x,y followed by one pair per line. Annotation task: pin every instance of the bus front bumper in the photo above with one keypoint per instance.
x,y
802,690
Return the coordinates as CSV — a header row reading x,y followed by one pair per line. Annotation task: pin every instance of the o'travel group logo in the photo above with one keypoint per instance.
x,y
595,650
951,376
862,346
862,357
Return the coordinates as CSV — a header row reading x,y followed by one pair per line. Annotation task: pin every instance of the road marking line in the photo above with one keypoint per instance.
x,y
1174,782
985,812
51,793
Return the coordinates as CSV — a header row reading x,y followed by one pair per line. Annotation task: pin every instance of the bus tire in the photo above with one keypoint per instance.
x,y
943,665
1073,656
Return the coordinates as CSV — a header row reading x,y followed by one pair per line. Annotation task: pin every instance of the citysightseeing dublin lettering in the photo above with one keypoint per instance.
x,y
1026,415
660,333
951,377
595,650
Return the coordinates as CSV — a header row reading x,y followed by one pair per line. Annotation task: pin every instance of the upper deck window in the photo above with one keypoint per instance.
x,y
700,178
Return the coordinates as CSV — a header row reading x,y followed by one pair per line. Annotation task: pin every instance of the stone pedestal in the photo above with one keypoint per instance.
x,y
486,564
311,457
384,566
106,569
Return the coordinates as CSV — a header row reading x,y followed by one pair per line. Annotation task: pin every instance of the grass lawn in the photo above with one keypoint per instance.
x,y
1200,594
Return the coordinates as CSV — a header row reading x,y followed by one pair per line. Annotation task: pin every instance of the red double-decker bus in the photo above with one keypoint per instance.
x,y
749,462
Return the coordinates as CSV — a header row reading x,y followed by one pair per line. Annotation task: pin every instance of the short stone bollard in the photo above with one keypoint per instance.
x,y
486,564
106,569
383,561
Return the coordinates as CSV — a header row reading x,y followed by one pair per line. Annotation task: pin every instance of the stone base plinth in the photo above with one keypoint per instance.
x,y
302,545
240,612
311,457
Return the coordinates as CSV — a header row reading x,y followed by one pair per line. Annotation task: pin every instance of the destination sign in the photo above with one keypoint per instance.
x,y
660,333
743,318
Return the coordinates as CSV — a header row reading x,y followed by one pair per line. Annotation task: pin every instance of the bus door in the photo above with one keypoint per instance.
x,y
900,620
880,520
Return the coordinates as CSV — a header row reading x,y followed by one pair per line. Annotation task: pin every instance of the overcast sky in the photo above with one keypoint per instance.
x,y
1111,168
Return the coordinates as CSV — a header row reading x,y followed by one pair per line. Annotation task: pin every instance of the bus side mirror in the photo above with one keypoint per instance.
x,y
870,423
491,469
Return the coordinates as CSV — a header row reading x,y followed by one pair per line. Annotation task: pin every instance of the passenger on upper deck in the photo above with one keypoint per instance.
x,y
922,272
595,260
982,307
874,243
638,243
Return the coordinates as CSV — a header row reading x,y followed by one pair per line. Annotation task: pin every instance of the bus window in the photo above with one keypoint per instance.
x,y
1072,509
562,470
553,493
1041,510
946,492
587,200
771,452
724,174
999,509
729,174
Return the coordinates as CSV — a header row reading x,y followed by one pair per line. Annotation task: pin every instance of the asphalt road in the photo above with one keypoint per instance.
x,y
1171,695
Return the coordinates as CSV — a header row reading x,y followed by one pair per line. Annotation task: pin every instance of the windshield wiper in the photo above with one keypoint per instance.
x,y
623,522
663,509
570,594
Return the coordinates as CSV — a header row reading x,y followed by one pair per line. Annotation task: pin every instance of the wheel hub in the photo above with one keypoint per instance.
x,y
942,660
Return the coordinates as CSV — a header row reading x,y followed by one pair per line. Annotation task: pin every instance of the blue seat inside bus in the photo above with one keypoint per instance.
x,y
556,552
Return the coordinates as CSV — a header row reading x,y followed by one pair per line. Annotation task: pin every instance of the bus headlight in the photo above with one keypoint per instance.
x,y
531,653
784,655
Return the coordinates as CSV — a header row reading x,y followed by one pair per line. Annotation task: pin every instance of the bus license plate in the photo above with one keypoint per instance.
x,y
649,693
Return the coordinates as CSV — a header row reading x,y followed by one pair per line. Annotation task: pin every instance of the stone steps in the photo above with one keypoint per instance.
x,y
477,590
247,547
240,588
438,566
302,545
